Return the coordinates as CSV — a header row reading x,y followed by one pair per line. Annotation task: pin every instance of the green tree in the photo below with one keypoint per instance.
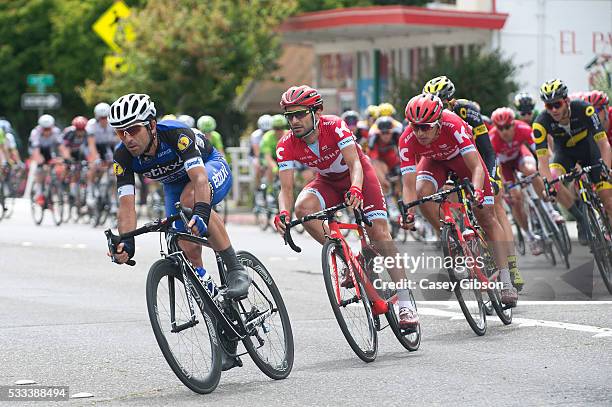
x,y
317,5
201,57
48,36
486,77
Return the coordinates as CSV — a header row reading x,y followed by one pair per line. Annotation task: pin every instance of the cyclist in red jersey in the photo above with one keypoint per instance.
x,y
344,174
514,146
600,101
444,143
383,150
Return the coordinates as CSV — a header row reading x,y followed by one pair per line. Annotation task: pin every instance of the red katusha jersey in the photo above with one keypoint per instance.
x,y
455,138
324,156
509,151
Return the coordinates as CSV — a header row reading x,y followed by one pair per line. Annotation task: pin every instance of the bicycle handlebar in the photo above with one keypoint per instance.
x,y
576,173
524,181
159,225
325,214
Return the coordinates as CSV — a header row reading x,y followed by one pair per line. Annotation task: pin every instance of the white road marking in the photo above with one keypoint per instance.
x,y
24,382
291,258
26,244
81,246
82,395
67,246
275,258
599,332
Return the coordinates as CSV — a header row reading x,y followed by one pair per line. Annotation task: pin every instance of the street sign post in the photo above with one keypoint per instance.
x,y
40,81
40,101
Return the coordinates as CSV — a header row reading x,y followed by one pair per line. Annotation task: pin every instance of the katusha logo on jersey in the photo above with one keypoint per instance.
x,y
183,142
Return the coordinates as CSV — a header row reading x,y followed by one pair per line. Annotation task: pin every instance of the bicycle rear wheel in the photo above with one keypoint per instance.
x,y
520,240
38,208
191,348
599,239
351,306
270,339
470,299
555,234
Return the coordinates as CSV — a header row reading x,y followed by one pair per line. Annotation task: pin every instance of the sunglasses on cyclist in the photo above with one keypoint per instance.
x,y
298,114
505,127
554,105
423,126
132,130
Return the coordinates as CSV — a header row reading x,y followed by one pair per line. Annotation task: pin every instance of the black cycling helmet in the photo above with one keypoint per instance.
x,y
524,103
350,117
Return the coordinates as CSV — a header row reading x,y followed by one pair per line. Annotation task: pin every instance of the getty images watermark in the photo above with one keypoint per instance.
x,y
462,267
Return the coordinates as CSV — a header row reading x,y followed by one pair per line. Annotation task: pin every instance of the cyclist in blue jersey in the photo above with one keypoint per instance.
x,y
189,168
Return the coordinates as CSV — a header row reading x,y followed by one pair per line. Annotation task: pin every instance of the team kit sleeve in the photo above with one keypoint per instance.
x,y
540,133
594,124
34,139
183,141
407,154
344,136
122,168
284,157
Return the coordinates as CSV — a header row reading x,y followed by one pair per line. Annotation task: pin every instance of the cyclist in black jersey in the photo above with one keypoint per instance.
x,y
577,137
191,171
469,111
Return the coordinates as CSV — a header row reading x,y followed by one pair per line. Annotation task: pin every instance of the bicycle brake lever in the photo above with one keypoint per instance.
x,y
111,241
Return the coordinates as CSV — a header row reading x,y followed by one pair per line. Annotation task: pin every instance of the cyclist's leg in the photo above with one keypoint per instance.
x,y
431,176
317,195
381,173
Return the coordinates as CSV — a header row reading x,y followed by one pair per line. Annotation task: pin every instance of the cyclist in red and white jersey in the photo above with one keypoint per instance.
x,y
514,146
344,174
383,149
600,102
444,143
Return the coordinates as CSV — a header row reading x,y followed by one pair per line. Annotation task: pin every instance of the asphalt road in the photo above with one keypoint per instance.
x,y
70,317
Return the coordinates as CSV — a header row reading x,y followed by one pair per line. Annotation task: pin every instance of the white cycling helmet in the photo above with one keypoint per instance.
x,y
101,110
46,121
264,122
188,120
130,109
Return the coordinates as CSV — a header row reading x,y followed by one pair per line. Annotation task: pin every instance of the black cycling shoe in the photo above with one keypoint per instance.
x,y
582,234
238,283
227,361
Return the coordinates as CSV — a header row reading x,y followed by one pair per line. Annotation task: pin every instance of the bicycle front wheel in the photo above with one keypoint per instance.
x,y
189,342
270,339
351,306
469,297
599,239
408,338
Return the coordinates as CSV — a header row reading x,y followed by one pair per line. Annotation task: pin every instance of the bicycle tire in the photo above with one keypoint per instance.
x,y
408,338
600,246
38,211
166,268
557,240
56,203
520,240
566,238
283,368
540,230
451,248
2,199
368,352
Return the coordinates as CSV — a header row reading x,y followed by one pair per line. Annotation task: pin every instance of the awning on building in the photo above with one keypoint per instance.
x,y
366,23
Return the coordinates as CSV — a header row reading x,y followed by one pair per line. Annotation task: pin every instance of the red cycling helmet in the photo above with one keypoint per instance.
x,y
597,98
503,116
302,95
79,122
424,108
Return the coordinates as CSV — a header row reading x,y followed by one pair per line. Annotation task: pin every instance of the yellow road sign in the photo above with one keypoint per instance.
x,y
115,63
106,26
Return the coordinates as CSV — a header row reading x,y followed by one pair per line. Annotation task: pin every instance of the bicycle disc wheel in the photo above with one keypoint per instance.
x,y
351,307
600,244
191,348
470,299
38,210
270,339
408,338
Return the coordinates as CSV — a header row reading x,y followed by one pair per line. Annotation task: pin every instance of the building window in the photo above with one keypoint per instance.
x,y
335,71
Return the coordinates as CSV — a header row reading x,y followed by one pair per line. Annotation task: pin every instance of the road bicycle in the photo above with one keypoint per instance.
x,y
473,267
357,305
541,223
193,326
51,197
599,227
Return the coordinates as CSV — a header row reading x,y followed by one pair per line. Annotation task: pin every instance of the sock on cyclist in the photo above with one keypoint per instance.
x,y
512,262
576,211
504,277
229,258
404,299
